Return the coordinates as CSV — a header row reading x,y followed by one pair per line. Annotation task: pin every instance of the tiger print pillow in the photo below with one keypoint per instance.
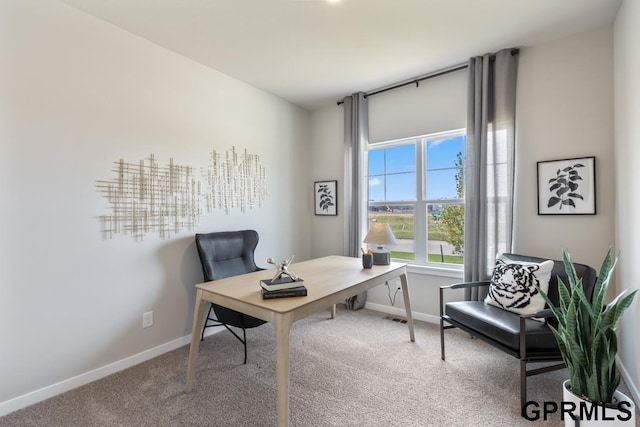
x,y
513,285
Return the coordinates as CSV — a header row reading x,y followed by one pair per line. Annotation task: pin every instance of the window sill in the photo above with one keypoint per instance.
x,y
453,272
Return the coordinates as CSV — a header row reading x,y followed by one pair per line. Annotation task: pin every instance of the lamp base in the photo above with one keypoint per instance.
x,y
381,257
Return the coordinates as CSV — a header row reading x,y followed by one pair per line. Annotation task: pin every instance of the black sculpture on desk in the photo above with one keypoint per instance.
x,y
282,269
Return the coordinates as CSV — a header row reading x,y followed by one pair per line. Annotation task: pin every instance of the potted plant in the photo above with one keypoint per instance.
x,y
587,340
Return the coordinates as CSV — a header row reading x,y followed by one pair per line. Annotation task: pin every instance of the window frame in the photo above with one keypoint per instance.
x,y
420,202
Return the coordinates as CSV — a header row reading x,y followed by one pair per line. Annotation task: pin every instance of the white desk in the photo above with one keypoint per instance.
x,y
329,280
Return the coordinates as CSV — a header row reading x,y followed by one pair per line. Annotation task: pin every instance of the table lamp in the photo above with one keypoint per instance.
x,y
380,234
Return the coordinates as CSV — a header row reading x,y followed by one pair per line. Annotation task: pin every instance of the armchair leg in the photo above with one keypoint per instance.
x,y
205,325
244,341
441,323
524,373
523,386
442,337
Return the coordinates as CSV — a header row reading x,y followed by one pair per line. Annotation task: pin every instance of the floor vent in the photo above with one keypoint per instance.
x,y
396,319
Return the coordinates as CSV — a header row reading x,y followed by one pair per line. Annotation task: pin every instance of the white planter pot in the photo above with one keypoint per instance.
x,y
599,416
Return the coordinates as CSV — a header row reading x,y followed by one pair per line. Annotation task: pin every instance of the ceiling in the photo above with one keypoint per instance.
x,y
314,52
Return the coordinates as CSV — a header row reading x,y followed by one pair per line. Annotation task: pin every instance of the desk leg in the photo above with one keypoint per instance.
x,y
407,305
333,311
282,325
195,341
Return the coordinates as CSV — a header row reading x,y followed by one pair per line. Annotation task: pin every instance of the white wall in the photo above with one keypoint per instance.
x,y
327,163
627,176
565,110
77,94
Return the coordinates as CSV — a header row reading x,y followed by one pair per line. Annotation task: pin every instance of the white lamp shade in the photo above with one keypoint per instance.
x,y
380,234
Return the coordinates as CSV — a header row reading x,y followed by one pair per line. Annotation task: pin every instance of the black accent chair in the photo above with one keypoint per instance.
x,y
226,254
526,339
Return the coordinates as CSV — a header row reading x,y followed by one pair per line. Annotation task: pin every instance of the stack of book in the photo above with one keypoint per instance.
x,y
282,288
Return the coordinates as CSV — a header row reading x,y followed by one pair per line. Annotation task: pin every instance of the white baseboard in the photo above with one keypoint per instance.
x,y
402,312
47,392
633,388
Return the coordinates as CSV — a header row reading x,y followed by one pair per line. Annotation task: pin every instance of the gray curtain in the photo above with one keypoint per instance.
x,y
490,163
356,138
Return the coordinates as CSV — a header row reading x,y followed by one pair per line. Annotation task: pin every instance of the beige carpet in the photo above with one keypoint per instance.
x,y
357,370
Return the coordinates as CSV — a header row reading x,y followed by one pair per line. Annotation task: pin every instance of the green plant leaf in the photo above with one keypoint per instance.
x,y
569,269
586,331
602,283
564,295
616,308
585,304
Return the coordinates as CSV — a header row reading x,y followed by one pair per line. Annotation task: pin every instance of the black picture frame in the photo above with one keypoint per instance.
x,y
567,186
326,198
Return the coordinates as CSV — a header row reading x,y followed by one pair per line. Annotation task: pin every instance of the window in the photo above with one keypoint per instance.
x,y
417,186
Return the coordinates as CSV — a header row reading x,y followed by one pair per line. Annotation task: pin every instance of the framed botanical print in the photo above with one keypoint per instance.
x,y
326,198
567,186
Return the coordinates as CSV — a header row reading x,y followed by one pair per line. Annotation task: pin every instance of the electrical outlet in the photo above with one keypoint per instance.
x,y
147,319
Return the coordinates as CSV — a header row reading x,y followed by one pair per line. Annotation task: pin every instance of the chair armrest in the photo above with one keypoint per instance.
x,y
542,314
465,285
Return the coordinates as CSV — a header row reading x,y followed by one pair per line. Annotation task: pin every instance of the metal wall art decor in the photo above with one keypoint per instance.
x,y
145,197
567,186
235,180
282,269
326,197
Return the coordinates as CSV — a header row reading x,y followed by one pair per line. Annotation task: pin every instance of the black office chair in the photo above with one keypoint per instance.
x,y
520,336
226,254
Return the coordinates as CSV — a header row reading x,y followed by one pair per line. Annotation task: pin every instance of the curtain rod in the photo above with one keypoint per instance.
x,y
417,81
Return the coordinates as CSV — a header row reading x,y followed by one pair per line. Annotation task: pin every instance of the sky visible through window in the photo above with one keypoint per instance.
x,y
392,170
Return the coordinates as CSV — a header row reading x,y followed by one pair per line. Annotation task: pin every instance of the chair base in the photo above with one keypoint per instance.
x,y
524,372
206,325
